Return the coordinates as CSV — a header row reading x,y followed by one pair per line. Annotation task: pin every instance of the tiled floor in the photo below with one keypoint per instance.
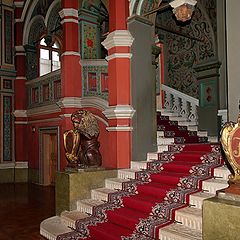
x,y
22,208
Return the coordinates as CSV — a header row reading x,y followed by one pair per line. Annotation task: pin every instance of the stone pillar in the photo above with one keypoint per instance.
x,y
71,80
143,82
71,85
120,111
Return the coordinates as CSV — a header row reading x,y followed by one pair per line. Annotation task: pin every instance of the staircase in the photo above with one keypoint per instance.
x,y
160,198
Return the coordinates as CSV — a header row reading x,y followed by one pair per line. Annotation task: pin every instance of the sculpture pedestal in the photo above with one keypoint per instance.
x,y
221,216
75,184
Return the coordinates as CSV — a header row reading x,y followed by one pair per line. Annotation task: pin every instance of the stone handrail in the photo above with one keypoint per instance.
x,y
181,103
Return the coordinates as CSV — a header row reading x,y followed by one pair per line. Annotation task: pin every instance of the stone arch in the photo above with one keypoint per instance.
x,y
53,20
35,30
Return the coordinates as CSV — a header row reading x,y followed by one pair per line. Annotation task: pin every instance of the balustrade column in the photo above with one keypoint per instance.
x,y
120,111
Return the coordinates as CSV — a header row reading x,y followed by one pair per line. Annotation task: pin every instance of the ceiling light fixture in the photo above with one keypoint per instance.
x,y
183,9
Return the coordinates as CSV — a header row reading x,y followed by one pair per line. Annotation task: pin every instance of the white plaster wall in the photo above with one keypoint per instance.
x,y
233,56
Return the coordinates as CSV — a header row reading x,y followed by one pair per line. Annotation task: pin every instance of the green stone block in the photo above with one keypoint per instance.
x,y
72,186
21,175
7,175
221,218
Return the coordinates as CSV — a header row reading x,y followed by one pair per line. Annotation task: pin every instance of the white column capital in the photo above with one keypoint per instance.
x,y
20,48
68,12
119,112
20,113
118,38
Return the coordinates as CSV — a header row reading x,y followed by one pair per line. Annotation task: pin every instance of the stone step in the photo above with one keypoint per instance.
x,y
70,217
139,165
160,134
196,199
192,128
178,118
187,123
50,228
212,185
177,231
127,173
152,156
86,205
222,172
213,139
162,148
164,141
202,133
164,110
190,217
169,114
115,183
101,194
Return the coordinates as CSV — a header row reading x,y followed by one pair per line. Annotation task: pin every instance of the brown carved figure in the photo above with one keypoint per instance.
x,y
81,144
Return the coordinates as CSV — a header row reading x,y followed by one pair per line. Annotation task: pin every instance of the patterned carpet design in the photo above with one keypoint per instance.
x,y
148,202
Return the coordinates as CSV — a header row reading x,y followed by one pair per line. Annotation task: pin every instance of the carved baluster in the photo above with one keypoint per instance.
x,y
193,112
176,104
168,101
184,112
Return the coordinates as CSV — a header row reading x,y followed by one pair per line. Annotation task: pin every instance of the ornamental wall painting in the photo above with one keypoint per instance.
x,y
7,128
185,46
8,36
90,41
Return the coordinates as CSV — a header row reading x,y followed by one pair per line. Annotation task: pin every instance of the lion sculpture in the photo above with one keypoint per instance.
x,y
81,143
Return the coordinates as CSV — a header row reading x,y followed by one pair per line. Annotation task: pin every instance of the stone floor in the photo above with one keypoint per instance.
x,y
22,208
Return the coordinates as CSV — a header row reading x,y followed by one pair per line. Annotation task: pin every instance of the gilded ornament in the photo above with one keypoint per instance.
x,y
81,143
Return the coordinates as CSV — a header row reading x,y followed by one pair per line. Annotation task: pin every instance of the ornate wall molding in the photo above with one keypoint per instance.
x,y
68,12
119,112
70,53
20,113
119,129
51,108
118,38
75,102
118,55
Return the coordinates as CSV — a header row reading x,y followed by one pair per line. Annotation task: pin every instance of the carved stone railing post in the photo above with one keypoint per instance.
x,y
193,112
168,101
176,104
184,112
183,104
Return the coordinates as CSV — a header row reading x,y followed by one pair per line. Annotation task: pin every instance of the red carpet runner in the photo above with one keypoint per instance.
x,y
149,202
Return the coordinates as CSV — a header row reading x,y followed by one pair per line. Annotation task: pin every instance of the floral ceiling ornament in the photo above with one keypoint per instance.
x,y
183,9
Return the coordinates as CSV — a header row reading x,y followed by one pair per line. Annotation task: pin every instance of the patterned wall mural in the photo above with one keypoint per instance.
x,y
185,45
8,29
7,76
7,128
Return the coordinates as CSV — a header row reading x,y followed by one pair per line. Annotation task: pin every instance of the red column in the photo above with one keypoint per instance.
x,y
70,59
71,79
120,112
20,95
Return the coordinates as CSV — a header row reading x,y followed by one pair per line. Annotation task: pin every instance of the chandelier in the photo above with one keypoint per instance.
x,y
183,9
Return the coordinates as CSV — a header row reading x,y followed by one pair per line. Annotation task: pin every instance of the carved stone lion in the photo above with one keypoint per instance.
x,y
81,144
